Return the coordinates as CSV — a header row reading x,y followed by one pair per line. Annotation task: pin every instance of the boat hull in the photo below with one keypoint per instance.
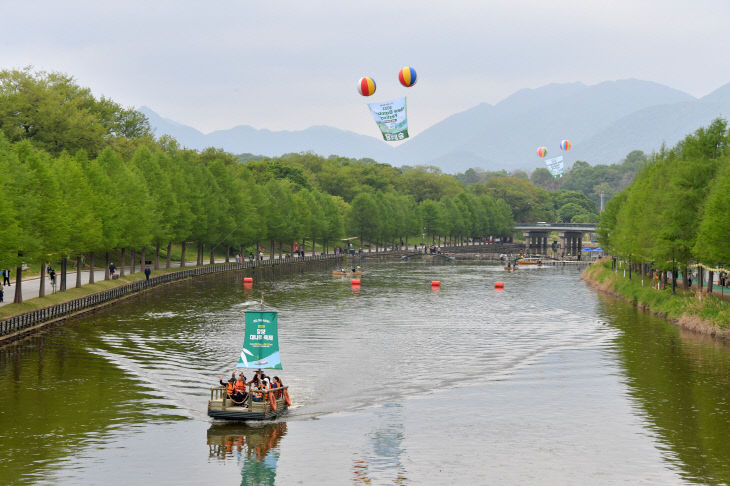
x,y
343,274
243,415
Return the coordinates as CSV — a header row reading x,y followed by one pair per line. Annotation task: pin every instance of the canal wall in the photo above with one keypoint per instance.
x,y
17,326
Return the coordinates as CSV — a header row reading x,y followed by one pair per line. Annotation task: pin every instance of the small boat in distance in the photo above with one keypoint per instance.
x,y
340,273
530,261
260,351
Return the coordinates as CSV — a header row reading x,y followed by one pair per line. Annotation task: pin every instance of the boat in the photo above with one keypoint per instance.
x,y
530,261
511,268
339,273
260,351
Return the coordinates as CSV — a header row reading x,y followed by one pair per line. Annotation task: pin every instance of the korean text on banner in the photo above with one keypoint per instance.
x,y
556,166
392,119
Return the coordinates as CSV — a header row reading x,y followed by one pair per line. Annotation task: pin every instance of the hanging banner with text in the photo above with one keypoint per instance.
x,y
261,341
392,119
556,166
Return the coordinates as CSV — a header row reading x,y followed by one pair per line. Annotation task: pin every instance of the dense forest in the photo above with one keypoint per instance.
x,y
676,212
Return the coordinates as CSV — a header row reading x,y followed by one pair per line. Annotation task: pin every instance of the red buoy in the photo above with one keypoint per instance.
x,y
498,285
355,282
248,280
435,283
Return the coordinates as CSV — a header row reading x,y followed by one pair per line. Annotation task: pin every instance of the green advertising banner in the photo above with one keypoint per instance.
x,y
261,342
556,166
392,119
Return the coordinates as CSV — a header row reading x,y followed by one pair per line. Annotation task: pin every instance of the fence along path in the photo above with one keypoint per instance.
x,y
17,326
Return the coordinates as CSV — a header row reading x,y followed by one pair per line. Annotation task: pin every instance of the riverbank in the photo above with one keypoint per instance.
x,y
695,311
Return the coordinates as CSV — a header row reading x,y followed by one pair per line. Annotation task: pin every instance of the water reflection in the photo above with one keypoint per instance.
x,y
680,383
382,464
255,449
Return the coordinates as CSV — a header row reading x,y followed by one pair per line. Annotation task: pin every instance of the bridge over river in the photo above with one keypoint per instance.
x,y
570,234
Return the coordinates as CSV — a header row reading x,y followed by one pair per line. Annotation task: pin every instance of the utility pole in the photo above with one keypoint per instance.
x,y
601,201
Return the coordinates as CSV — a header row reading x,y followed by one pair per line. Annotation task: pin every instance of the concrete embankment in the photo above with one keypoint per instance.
x,y
698,312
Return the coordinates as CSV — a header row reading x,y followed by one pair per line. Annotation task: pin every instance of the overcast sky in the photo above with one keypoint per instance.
x,y
290,65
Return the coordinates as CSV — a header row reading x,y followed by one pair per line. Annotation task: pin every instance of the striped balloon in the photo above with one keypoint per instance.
x,y
541,152
565,145
366,86
407,76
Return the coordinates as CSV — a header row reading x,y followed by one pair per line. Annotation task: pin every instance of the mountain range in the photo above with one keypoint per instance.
x,y
604,122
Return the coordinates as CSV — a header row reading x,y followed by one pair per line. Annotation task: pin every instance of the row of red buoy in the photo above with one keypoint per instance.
x,y
248,282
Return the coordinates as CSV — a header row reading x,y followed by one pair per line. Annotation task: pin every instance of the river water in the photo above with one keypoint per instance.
x,y
544,382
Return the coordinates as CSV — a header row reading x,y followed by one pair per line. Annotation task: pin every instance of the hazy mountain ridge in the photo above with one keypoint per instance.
x,y
604,122
320,139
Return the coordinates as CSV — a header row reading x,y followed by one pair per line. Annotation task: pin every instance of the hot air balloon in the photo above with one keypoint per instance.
x,y
541,152
366,86
407,76
565,145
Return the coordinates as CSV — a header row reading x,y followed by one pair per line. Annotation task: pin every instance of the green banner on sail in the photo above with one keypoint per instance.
x,y
556,166
392,119
261,342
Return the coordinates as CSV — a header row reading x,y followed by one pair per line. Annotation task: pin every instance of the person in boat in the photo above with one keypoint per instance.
x,y
259,375
257,396
235,388
276,383
241,394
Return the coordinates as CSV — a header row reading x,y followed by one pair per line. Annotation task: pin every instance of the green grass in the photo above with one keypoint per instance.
x,y
709,309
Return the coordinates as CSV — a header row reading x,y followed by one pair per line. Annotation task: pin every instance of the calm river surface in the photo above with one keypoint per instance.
x,y
545,382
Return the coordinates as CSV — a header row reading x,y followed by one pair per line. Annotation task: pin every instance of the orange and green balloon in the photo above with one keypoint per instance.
x,y
541,152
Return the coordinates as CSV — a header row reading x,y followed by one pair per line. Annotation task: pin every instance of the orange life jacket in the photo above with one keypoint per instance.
x,y
240,386
230,389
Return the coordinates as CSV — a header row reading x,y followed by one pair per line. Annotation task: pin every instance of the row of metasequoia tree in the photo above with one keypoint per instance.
x,y
676,213
55,208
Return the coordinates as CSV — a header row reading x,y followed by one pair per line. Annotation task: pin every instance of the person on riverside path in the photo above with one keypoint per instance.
x,y
2,293
147,272
6,277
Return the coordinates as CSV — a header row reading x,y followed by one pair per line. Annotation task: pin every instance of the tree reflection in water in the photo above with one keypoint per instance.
x,y
254,448
383,464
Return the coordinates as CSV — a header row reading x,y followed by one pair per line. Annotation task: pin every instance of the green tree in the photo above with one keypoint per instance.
x,y
55,114
362,218
711,245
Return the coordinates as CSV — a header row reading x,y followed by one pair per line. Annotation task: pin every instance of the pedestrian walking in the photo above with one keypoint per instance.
x,y
6,277
147,272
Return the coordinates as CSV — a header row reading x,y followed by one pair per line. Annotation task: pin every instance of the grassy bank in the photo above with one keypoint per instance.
x,y
699,312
